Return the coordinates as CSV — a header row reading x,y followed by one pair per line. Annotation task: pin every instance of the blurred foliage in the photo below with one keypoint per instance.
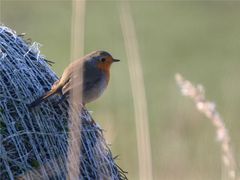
x,y
199,39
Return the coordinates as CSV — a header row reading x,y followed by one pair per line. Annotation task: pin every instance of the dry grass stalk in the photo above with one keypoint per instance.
x,y
77,29
77,47
138,92
209,109
0,11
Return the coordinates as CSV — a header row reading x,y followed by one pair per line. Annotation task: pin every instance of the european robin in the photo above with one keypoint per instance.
x,y
94,72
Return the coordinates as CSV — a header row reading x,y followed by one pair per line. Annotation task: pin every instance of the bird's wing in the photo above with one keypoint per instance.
x,y
79,84
74,68
75,82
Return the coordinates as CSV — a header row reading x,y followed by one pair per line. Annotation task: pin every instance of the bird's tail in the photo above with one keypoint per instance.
x,y
44,97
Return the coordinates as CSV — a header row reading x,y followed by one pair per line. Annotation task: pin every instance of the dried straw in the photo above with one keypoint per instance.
x,y
209,110
138,92
77,48
0,11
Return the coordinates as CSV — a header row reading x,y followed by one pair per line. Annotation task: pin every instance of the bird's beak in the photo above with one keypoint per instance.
x,y
116,60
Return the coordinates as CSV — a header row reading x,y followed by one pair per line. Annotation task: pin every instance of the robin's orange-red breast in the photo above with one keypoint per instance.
x,y
93,70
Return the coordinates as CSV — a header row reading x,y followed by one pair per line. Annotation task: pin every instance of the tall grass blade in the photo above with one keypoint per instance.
x,y
77,48
138,92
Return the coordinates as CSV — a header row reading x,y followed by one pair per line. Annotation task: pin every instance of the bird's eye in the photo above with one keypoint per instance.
x,y
102,59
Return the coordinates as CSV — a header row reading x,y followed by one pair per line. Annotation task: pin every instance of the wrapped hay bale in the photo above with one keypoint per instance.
x,y
34,143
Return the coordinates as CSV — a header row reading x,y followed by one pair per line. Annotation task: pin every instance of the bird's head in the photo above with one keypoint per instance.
x,y
102,60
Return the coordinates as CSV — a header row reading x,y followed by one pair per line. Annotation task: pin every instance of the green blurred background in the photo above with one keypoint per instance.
x,y
201,40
